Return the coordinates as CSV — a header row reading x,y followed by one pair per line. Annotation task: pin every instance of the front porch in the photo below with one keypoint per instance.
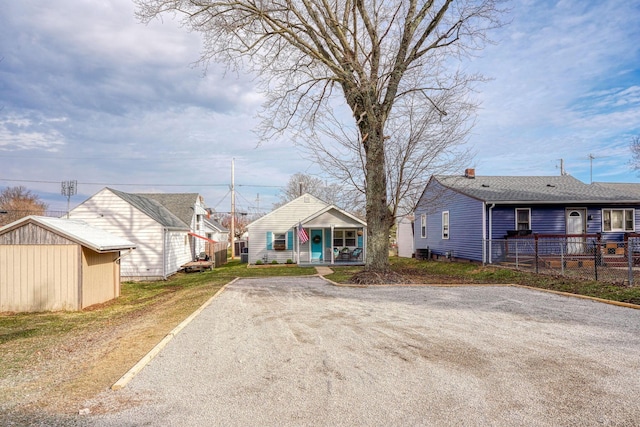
x,y
331,245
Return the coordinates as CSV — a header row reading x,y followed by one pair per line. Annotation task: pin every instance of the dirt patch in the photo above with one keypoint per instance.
x,y
57,380
368,277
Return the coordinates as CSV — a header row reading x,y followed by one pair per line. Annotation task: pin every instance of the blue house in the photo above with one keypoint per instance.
x,y
463,216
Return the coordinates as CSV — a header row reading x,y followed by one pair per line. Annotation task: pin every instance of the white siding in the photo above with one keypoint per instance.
x,y
404,237
109,212
198,227
281,220
178,251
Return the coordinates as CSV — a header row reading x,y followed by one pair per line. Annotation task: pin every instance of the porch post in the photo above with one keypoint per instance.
x,y
331,247
364,244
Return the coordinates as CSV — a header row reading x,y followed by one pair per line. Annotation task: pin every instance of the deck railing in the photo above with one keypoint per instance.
x,y
585,256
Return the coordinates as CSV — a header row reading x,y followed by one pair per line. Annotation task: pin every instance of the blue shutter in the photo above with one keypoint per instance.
x,y
327,238
269,240
289,239
359,241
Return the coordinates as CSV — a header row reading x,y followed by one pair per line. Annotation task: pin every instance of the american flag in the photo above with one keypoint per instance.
x,y
302,234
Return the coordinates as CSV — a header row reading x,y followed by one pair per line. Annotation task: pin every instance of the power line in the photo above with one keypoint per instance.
x,y
143,184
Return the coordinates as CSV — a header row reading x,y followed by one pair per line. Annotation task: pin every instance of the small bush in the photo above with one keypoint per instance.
x,y
289,261
259,262
275,261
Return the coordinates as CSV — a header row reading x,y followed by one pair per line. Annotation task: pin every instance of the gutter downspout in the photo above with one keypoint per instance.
x,y
122,255
490,233
164,253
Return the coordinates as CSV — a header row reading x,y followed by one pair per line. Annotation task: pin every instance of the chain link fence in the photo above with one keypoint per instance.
x,y
585,257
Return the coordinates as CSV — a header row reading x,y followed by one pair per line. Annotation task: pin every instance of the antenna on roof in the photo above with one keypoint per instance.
x,y
69,188
591,157
562,171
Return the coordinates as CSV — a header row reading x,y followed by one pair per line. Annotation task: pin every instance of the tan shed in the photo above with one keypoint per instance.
x,y
49,264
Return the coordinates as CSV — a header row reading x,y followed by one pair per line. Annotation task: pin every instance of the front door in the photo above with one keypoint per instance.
x,y
575,225
316,245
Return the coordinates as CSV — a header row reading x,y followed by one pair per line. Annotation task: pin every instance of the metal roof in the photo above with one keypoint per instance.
x,y
77,231
534,189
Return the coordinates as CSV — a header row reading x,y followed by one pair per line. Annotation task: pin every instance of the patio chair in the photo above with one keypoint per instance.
x,y
356,254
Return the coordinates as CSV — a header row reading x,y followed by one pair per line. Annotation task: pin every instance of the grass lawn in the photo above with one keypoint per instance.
x,y
436,272
52,362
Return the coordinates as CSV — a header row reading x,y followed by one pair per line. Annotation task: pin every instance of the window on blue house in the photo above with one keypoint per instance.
x,y
445,224
423,226
523,219
618,220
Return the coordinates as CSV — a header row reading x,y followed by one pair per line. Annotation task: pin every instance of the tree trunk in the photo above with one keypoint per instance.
x,y
378,215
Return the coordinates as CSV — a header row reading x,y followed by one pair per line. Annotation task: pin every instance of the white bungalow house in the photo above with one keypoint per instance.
x,y
163,235
307,230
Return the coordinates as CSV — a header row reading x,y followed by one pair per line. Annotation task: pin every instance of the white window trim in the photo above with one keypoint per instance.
x,y
516,219
448,225
343,237
273,242
624,220
423,226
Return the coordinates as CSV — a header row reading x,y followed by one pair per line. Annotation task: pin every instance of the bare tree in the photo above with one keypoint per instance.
x,y
240,224
634,146
422,140
18,202
369,54
327,191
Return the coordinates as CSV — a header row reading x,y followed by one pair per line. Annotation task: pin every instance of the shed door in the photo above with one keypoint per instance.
x,y
575,225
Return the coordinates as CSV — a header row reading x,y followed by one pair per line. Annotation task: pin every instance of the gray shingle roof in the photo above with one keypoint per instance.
x,y
179,204
628,188
216,225
534,189
153,209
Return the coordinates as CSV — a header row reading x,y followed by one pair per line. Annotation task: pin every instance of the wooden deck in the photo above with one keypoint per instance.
x,y
192,266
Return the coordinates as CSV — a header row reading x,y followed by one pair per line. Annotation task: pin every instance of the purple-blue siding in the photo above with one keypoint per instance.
x,y
465,221
465,224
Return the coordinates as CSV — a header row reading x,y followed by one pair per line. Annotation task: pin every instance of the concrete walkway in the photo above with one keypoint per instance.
x,y
323,271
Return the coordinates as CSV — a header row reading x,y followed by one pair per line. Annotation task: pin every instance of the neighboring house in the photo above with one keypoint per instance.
x,y
49,264
307,230
213,230
458,216
404,236
190,209
162,239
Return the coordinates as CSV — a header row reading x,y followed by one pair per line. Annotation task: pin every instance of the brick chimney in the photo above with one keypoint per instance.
x,y
470,173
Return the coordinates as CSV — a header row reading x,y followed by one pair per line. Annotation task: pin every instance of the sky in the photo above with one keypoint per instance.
x,y
90,94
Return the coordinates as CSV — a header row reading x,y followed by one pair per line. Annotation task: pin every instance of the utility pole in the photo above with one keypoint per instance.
x,y
69,188
233,210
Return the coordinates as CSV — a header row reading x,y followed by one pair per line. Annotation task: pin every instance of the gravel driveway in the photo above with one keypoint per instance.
x,y
300,351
